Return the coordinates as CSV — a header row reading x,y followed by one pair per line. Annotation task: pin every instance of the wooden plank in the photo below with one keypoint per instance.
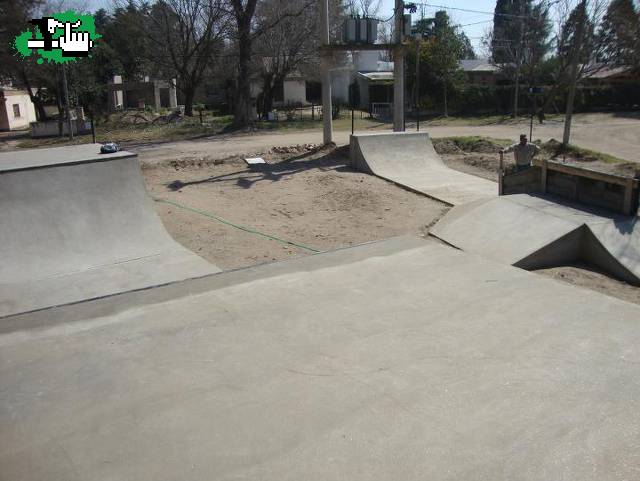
x,y
587,173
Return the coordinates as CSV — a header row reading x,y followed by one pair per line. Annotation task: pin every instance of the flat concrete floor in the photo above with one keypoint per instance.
x,y
402,360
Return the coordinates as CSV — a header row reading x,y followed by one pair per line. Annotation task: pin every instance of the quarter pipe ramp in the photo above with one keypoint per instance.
x,y
77,225
409,159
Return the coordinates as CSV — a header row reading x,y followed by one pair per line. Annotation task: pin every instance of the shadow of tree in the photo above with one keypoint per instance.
x,y
336,160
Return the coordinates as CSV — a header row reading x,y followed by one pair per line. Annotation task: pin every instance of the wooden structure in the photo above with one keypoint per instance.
x,y
613,192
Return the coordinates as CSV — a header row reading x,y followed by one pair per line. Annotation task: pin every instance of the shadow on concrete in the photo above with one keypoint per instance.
x,y
335,160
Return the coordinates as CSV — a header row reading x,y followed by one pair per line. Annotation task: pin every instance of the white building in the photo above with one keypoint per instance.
x,y
16,109
365,77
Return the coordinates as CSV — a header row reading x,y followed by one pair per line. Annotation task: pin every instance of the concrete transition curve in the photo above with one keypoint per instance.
x,y
409,159
400,360
77,225
534,232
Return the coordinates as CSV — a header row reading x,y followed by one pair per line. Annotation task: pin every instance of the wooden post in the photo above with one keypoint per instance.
x,y
543,176
627,208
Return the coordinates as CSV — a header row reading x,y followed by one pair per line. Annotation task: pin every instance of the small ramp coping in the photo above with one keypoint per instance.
x,y
409,160
78,225
534,232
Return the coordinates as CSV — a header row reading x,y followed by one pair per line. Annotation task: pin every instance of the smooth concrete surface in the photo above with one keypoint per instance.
x,y
533,231
77,154
409,159
78,229
414,362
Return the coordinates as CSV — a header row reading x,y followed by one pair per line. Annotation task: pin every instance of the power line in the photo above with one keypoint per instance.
x,y
481,12
475,23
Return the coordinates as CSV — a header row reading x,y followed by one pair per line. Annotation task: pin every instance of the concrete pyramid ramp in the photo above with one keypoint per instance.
x,y
78,225
534,232
409,159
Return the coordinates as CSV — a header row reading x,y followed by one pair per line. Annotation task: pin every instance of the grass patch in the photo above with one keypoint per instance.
x,y
119,131
470,143
480,120
557,150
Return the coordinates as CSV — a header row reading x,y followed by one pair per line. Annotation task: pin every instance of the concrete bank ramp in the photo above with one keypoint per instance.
x,y
409,159
76,225
400,360
535,232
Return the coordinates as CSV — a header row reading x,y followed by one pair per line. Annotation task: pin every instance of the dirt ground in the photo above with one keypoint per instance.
x,y
483,159
312,199
590,278
306,200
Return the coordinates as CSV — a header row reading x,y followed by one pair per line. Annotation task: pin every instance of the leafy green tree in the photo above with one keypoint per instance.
x,y
125,33
440,52
519,41
24,72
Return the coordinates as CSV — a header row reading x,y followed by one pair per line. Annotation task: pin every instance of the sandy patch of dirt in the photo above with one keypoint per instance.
x,y
588,277
311,198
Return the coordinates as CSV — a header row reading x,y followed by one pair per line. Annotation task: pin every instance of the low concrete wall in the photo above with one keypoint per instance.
x,y
525,182
593,188
50,128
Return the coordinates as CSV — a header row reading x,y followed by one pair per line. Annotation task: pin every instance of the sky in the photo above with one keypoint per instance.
x,y
474,32
473,24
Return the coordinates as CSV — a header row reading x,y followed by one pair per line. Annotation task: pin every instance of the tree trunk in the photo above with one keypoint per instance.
x,y
267,95
516,97
570,105
243,85
446,105
575,69
189,94
41,113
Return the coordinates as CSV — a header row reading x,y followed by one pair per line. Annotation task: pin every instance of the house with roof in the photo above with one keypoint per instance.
x,y
16,109
480,71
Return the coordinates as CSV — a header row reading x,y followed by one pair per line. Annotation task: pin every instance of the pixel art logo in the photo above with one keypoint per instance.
x,y
60,38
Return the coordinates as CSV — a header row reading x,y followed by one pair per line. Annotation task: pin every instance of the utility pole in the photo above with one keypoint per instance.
x,y
325,68
398,70
417,103
66,101
520,55
575,69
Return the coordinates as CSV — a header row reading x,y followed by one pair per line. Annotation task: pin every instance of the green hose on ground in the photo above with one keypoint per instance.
x,y
229,223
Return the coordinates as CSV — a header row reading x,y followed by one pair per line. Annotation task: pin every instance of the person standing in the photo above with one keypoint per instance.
x,y
524,152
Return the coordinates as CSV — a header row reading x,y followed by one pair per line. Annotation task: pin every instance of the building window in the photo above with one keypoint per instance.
x,y
16,110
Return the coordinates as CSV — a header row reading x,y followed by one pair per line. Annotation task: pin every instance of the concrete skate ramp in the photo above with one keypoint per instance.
x,y
409,159
401,360
78,225
534,232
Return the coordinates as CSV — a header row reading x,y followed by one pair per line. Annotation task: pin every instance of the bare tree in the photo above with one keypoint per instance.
x,y
578,49
187,35
245,33
365,8
285,48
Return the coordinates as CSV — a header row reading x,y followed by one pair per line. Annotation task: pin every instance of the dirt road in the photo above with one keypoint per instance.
x,y
615,135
